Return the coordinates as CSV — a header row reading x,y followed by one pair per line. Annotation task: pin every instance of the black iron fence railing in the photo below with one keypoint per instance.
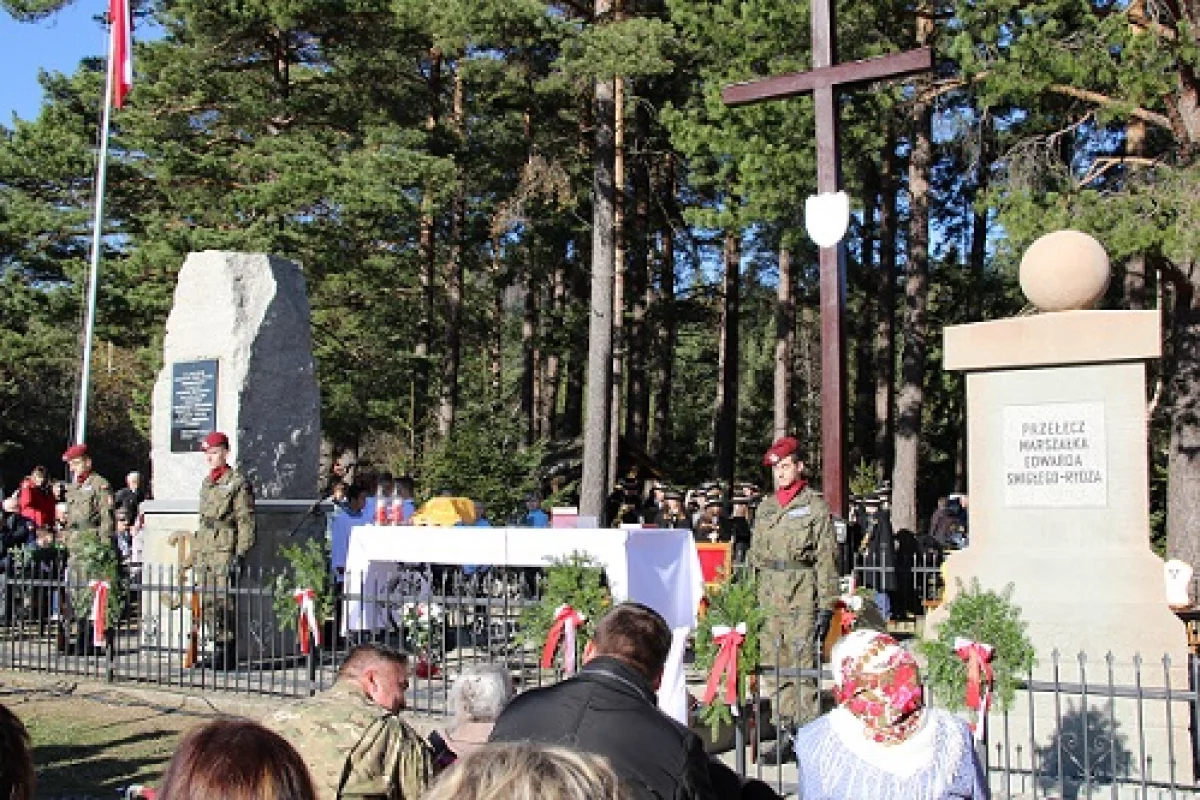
x,y
912,581
1080,726
230,634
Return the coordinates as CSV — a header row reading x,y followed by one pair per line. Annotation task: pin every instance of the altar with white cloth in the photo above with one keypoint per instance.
x,y
655,566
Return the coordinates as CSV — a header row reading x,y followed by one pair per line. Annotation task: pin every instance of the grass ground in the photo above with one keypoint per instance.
x,y
91,740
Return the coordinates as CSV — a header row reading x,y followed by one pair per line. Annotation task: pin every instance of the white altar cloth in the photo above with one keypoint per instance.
x,y
655,566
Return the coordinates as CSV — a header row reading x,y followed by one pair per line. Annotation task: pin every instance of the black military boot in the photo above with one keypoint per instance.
x,y
782,751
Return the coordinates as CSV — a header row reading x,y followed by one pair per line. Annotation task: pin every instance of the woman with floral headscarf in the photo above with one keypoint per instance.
x,y
882,741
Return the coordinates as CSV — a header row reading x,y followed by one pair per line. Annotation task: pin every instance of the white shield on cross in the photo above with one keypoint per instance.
x,y
826,217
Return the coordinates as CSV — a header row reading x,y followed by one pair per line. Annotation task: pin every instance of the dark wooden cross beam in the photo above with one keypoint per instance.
x,y
824,81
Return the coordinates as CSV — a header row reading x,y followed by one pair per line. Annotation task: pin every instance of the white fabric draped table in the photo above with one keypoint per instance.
x,y
658,567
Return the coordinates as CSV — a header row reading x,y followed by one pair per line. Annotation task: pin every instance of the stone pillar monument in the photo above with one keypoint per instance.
x,y
238,359
1057,456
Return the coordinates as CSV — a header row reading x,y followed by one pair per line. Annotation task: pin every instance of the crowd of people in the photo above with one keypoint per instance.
x,y
37,512
598,734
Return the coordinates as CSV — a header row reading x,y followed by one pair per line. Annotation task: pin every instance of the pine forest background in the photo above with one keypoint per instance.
x,y
433,166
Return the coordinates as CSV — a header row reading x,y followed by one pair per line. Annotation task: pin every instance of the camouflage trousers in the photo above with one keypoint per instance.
x,y
788,643
215,589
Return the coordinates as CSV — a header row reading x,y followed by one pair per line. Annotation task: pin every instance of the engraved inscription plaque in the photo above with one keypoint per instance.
x,y
193,404
1054,456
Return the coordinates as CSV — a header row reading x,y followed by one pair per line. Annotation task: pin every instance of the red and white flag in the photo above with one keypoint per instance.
x,y
120,51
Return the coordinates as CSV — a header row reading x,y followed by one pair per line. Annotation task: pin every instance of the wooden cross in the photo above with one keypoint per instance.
x,y
824,81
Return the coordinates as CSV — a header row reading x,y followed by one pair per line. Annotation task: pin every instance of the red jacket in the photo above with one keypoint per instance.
x,y
37,504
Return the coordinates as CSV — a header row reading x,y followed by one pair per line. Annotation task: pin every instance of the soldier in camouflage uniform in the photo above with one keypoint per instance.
x,y
88,531
219,550
352,737
792,549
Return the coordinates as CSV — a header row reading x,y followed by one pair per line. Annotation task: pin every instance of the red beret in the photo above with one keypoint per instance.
x,y
787,446
75,451
215,439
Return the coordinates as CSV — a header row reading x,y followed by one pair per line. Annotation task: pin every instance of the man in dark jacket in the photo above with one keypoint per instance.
x,y
610,709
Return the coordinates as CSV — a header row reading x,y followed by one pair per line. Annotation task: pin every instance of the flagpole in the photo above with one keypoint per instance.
x,y
97,234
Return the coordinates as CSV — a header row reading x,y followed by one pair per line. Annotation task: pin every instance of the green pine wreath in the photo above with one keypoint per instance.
x,y
982,616
732,602
578,581
310,570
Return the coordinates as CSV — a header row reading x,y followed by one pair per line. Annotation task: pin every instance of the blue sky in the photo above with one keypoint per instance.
x,y
55,44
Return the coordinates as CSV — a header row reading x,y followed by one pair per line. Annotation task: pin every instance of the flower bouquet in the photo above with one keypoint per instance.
x,y
422,626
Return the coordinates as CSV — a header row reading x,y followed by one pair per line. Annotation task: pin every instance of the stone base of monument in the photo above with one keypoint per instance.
x,y
1095,712
167,599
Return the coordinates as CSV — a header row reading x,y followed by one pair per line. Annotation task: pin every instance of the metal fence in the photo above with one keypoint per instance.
x,y
913,582
164,633
1084,727
1093,727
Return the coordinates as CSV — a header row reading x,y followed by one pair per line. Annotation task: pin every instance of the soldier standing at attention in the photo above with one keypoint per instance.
x,y
792,550
225,536
87,532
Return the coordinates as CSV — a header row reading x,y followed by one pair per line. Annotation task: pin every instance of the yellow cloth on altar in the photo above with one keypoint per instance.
x,y
446,511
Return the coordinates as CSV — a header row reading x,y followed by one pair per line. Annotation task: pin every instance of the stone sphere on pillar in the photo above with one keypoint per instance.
x,y
1064,271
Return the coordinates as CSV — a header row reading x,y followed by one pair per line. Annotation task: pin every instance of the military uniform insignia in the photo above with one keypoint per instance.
x,y
802,511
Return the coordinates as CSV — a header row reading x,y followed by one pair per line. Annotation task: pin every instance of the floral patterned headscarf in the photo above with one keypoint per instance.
x,y
877,681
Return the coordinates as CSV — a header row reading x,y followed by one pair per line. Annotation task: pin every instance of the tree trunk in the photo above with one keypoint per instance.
x,y
885,341
529,355
617,385
496,330
911,397
729,358
577,360
1134,283
862,445
1183,465
1183,462
807,365
785,343
664,360
594,485
637,415
452,355
552,372
978,269
425,243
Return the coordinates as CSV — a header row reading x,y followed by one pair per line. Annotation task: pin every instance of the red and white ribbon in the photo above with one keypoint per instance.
x,y
307,623
978,657
566,622
99,591
725,665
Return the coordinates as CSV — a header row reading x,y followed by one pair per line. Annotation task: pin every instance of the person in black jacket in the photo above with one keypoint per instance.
x,y
610,709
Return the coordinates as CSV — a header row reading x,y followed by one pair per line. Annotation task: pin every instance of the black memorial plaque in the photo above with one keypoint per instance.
x,y
193,404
